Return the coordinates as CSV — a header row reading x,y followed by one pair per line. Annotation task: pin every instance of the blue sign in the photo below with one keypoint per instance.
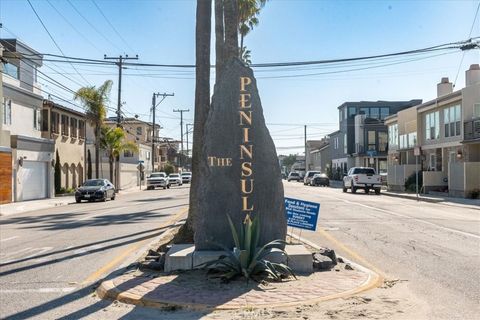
x,y
302,214
372,153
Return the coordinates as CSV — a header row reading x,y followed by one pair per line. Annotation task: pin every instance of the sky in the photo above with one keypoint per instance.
x,y
163,32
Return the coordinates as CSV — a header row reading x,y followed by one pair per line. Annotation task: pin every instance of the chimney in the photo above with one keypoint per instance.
x,y
472,75
444,87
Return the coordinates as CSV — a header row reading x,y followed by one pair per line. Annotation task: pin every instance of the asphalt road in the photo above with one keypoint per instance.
x,y
50,258
434,247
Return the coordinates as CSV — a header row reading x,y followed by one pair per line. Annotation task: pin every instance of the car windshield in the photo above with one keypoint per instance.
x,y
363,171
294,174
94,183
173,176
311,174
186,174
157,175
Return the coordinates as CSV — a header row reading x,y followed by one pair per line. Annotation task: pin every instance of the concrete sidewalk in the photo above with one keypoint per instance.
x,y
458,202
32,205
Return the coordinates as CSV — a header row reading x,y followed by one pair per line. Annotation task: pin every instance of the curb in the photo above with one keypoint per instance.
x,y
432,200
108,290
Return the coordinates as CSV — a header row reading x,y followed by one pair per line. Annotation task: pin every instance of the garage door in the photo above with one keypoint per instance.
x,y
34,180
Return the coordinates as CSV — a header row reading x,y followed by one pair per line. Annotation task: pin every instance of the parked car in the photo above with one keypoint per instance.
x,y
307,180
362,178
157,179
320,179
175,179
95,189
294,176
186,177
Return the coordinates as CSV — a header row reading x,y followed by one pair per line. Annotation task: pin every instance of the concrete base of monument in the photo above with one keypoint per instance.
x,y
184,257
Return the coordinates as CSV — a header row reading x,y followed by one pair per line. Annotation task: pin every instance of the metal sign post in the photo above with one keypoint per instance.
x,y
416,152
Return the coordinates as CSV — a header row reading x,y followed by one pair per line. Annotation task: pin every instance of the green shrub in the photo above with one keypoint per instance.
x,y
410,182
474,194
247,259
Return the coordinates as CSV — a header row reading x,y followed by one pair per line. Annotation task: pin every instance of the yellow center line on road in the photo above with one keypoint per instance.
x,y
129,250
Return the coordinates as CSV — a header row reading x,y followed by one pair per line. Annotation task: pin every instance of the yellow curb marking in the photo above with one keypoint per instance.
x,y
129,250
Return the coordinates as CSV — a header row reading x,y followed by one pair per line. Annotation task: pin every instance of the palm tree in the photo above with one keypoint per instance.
x,y
245,55
112,140
95,102
248,10
202,105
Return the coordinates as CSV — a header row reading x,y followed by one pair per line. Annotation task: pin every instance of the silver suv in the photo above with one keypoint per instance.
x,y
309,177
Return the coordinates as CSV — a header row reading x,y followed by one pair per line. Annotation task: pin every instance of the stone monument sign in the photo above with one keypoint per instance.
x,y
240,174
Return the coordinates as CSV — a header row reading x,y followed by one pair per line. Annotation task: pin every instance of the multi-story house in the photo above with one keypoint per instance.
x,y
318,155
445,132
31,155
66,127
362,136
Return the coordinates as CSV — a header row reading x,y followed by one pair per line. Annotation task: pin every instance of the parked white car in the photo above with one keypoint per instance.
x,y
157,179
362,178
186,177
175,179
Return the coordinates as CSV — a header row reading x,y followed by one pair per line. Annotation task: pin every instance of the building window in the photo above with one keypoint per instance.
x,y
352,111
451,121
127,154
7,111
73,127
393,135
345,150
476,110
54,122
37,119
382,141
371,139
375,113
365,111
147,155
432,125
139,130
64,125
81,129
384,112
11,70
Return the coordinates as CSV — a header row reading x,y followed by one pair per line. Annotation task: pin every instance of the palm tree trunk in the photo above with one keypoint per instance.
x,y
231,29
111,160
241,45
97,151
202,105
219,38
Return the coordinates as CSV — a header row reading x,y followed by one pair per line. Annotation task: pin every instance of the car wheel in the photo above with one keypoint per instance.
x,y
377,191
164,188
354,189
78,200
113,197
367,190
344,188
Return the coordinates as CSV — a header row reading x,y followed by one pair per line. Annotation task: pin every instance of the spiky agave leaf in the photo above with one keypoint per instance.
x,y
234,233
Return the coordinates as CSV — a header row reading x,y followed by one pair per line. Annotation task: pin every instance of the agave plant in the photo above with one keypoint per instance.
x,y
247,259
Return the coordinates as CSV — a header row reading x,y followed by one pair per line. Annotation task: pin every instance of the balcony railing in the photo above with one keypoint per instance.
x,y
471,129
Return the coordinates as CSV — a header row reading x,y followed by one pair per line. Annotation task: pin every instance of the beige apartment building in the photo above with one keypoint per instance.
x,y
66,127
445,132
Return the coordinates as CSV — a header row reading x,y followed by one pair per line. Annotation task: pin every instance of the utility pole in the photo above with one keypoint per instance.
x,y
181,128
154,131
119,63
188,151
305,135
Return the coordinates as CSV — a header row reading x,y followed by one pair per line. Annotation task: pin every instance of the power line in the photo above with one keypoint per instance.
x,y
111,25
463,54
51,37
92,26
73,27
